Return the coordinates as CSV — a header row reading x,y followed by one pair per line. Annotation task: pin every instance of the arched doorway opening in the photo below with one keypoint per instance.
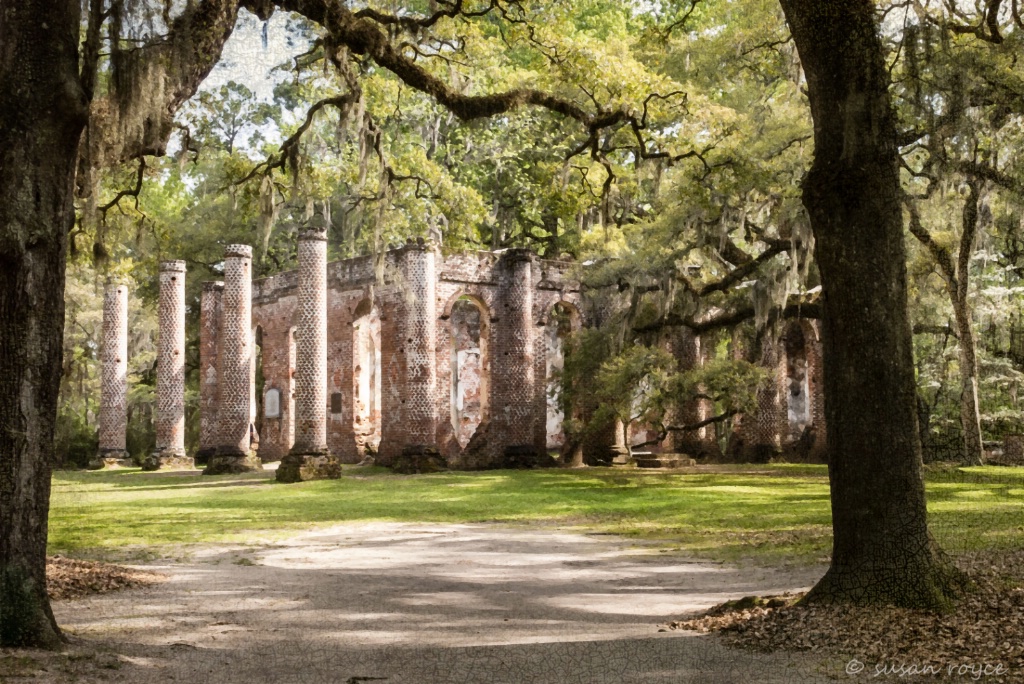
x,y
289,423
256,385
562,320
366,377
798,402
469,367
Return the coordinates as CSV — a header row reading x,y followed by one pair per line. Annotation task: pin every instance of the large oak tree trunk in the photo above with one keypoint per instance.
x,y
42,114
882,551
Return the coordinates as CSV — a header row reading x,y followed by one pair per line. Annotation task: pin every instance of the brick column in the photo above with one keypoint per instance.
x,y
512,413
234,368
114,383
170,371
409,406
309,458
762,430
209,339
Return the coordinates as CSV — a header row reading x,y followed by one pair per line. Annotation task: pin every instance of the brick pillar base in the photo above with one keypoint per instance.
x,y
296,467
117,458
168,460
225,462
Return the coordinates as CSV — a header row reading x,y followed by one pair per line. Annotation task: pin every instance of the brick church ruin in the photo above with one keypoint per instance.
x,y
407,354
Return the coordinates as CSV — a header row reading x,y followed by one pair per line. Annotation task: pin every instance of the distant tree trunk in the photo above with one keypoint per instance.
x,y
42,115
970,413
572,452
882,551
956,276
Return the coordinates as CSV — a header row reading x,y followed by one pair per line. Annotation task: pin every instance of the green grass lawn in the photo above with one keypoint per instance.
x,y
769,514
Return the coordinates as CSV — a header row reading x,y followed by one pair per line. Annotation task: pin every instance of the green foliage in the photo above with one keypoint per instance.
x,y
76,441
732,384
726,141
644,384
634,384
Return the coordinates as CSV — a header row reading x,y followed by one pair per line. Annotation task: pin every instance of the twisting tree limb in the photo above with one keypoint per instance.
x,y
289,147
363,36
128,192
739,273
414,23
987,26
941,254
664,430
666,33
804,306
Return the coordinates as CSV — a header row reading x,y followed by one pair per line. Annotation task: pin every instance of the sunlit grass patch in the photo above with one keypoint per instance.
x,y
768,514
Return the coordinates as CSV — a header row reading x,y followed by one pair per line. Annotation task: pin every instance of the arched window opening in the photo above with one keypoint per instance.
x,y
366,376
258,382
559,325
798,394
289,428
469,368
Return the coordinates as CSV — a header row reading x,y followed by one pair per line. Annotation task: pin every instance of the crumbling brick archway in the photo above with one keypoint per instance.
x,y
469,373
560,320
366,377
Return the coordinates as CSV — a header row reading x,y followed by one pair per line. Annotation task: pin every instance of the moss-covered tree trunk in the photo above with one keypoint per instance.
x,y
882,551
42,114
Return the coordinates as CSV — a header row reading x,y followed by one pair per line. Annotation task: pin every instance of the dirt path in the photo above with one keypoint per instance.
x,y
421,603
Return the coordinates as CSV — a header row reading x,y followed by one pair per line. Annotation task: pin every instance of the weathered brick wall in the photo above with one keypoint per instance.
x,y
353,330
395,332
353,318
275,313
390,351
793,427
360,427
349,287
113,416
685,347
170,369
765,429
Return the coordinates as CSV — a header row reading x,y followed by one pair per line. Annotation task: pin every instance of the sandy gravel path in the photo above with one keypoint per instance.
x,y
422,603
